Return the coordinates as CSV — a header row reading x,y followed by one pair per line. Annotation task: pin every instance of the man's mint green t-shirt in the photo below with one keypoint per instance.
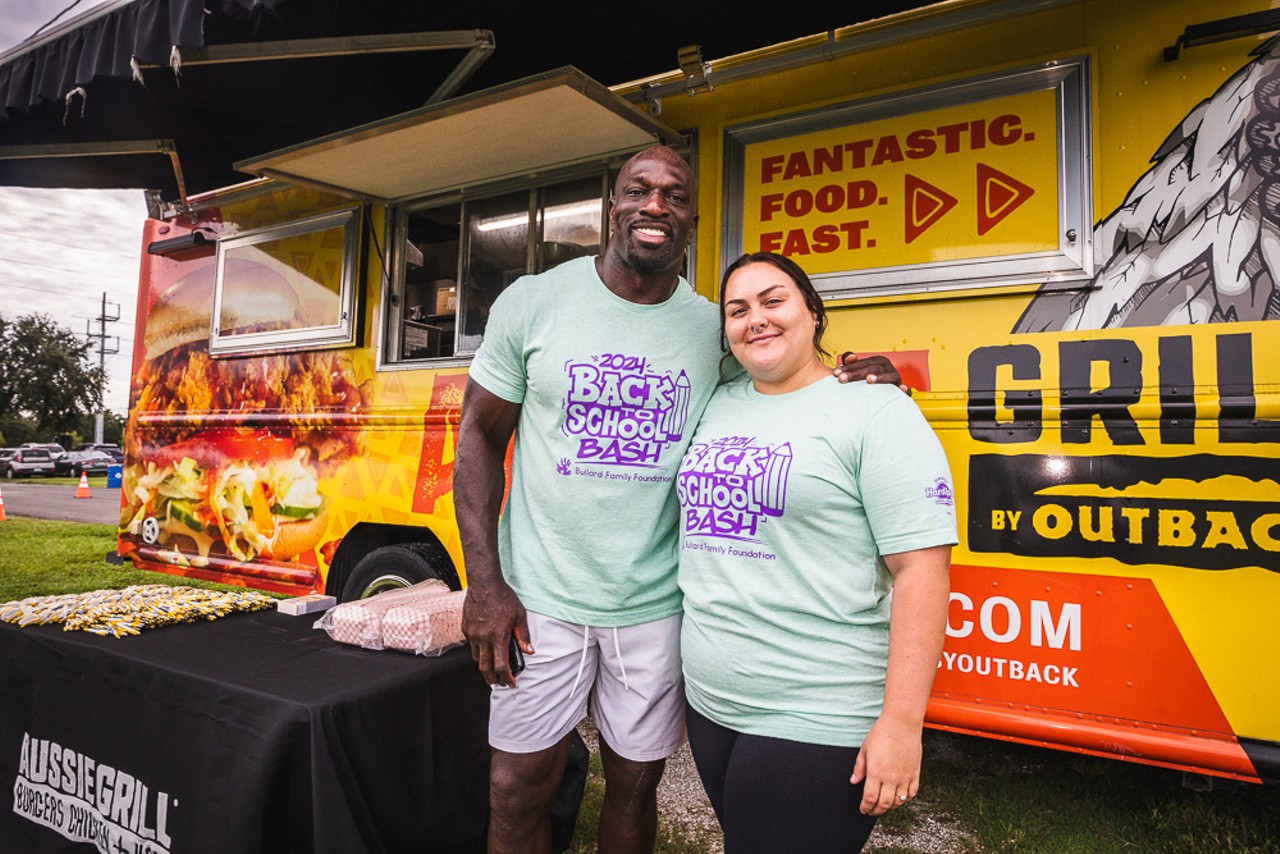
x,y
610,392
787,504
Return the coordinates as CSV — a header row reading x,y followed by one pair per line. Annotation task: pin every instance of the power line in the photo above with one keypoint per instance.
x,y
69,245
86,317
42,289
46,24
12,316
44,266
36,310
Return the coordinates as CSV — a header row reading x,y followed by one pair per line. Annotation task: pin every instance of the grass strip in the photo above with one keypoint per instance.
x,y
39,557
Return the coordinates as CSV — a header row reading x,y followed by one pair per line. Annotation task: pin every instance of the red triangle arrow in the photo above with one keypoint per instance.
x,y
998,196
926,204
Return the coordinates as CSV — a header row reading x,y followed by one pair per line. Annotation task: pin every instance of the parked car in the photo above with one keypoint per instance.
x,y
26,462
53,449
5,454
76,463
111,450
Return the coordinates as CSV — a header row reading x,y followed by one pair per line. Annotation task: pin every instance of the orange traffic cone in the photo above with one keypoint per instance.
x,y
82,491
1,507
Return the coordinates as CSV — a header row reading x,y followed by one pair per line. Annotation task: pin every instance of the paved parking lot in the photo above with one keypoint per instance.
x,y
43,500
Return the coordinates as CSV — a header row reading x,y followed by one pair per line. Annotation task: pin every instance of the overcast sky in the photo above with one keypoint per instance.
x,y
60,250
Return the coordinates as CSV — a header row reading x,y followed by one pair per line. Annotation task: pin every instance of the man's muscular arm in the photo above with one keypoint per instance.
x,y
492,611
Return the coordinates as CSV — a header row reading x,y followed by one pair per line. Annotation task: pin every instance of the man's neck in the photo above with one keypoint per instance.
x,y
634,286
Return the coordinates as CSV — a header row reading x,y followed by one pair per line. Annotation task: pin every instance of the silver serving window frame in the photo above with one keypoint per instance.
x,y
396,232
339,334
1069,267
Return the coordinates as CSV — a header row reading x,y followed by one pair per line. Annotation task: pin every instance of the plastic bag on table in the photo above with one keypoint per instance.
x,y
425,626
360,622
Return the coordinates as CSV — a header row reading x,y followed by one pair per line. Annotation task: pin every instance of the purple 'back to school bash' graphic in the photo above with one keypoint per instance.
x,y
729,486
623,412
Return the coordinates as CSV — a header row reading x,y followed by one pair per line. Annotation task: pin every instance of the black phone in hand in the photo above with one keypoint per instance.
x,y
515,656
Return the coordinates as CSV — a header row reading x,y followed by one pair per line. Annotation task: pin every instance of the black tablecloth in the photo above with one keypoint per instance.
x,y
251,733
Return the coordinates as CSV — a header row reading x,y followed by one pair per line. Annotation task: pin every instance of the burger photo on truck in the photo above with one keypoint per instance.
x,y
241,482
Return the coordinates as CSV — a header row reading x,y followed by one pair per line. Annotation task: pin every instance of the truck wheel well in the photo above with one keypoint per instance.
x,y
364,538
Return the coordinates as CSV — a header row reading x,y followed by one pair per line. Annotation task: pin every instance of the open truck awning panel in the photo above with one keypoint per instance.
x,y
543,122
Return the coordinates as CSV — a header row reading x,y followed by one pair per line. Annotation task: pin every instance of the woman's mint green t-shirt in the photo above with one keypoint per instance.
x,y
787,504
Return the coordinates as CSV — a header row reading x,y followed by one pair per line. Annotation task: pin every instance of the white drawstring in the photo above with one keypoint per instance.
x,y
618,651
582,662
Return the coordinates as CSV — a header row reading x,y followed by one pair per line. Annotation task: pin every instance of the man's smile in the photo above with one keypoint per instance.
x,y
651,233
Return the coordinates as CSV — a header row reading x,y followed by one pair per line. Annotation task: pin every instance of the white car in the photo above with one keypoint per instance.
x,y
54,450
26,462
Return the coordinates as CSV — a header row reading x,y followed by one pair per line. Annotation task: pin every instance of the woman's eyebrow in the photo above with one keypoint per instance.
x,y
758,295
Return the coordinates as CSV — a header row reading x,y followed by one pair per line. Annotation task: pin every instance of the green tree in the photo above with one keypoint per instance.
x,y
113,425
8,401
46,375
15,429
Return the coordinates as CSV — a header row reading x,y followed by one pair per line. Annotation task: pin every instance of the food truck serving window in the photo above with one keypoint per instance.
x,y
456,256
287,285
969,184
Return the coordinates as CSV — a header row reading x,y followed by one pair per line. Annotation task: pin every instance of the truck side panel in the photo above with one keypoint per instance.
x,y
1113,430
250,467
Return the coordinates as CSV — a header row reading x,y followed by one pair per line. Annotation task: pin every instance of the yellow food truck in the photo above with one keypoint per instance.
x,y
1057,218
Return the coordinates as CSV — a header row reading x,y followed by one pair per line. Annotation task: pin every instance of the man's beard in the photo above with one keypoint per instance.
x,y
663,259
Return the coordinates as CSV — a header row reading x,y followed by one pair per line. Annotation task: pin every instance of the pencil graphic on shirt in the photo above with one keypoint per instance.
x,y
771,486
677,414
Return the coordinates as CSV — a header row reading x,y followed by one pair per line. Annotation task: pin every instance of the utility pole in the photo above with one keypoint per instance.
x,y
102,320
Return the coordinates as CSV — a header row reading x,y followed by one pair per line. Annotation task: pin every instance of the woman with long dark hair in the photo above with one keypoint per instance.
x,y
804,504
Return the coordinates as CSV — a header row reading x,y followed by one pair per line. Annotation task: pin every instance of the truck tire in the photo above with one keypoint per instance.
x,y
399,565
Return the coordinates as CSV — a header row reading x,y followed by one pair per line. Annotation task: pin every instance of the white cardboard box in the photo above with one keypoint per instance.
x,y
300,605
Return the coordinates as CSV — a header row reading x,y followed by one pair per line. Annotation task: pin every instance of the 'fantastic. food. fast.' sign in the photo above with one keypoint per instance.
x,y
980,182
961,182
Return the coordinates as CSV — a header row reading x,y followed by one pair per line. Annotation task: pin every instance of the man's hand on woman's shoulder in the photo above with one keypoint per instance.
x,y
873,369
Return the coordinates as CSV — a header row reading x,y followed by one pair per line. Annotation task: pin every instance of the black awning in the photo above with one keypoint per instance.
x,y
203,89
100,43
75,85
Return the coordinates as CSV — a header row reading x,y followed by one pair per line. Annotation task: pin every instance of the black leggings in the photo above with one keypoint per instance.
x,y
774,795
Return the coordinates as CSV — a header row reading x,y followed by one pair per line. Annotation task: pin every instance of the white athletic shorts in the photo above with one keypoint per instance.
x,y
631,675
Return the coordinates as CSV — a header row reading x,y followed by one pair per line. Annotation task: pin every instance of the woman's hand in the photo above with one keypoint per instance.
x,y
889,763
